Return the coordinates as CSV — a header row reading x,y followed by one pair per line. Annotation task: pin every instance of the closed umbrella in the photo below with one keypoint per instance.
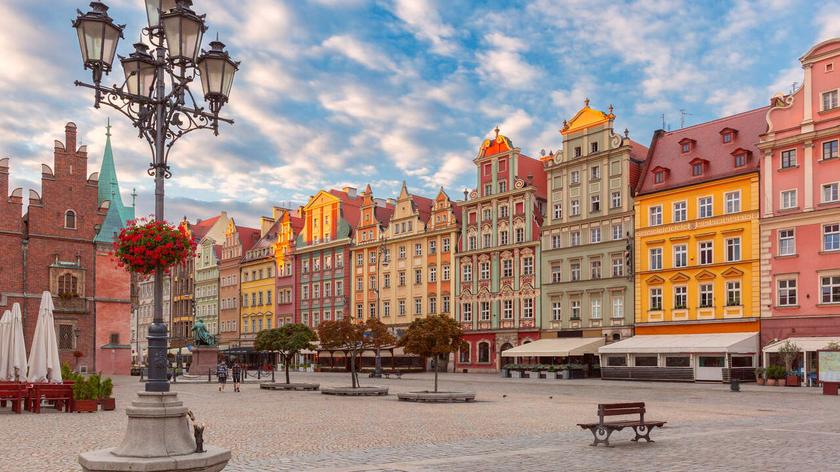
x,y
5,323
44,364
17,348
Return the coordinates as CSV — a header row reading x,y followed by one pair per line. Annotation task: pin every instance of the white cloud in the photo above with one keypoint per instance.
x,y
828,21
454,167
423,20
501,62
730,102
785,80
359,51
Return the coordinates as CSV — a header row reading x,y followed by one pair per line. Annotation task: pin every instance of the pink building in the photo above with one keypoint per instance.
x,y
800,207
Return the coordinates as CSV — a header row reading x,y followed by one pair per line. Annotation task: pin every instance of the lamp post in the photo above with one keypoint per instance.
x,y
157,99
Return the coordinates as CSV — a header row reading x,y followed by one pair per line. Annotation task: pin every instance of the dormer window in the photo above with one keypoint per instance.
x,y
741,157
698,166
727,135
686,144
659,177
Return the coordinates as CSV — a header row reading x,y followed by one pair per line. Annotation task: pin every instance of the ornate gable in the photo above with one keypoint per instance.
x,y
586,118
496,145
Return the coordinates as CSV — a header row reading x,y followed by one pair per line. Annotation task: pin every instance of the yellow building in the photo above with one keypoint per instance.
x,y
258,282
696,253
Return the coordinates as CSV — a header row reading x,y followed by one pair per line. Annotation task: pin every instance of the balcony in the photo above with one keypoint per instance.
x,y
70,305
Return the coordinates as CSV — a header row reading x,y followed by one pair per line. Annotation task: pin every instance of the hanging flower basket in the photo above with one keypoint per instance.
x,y
146,245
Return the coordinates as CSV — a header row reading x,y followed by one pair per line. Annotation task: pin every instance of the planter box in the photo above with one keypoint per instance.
x,y
85,406
550,375
503,372
516,374
532,374
565,374
793,381
108,404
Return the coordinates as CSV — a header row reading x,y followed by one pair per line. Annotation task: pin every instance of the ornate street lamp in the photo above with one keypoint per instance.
x,y
156,98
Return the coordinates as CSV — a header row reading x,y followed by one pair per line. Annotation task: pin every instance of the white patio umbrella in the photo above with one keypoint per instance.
x,y
5,323
16,360
44,364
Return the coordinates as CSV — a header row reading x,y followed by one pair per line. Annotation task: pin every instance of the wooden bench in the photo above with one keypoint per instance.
x,y
602,430
14,393
60,394
396,374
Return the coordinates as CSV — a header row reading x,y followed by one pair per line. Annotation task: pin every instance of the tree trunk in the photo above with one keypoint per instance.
x,y
287,360
436,373
353,369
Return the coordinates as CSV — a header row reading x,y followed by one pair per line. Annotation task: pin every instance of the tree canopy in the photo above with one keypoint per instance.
x,y
432,336
288,339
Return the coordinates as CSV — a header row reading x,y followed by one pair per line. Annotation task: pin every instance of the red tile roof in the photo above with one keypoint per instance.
x,y
200,229
247,237
666,151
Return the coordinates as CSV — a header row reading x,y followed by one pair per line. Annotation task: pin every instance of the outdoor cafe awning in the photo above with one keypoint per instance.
x,y
556,347
742,343
805,344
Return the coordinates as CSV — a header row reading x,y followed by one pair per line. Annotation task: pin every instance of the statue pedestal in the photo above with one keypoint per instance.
x,y
203,358
159,438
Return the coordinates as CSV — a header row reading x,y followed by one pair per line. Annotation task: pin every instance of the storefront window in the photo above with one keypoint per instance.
x,y
677,361
742,361
646,361
616,361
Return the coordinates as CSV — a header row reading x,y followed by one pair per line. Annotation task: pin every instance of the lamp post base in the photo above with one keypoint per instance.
x,y
158,438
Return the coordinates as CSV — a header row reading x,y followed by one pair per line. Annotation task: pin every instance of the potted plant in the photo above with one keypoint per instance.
x,y
106,387
551,372
565,371
515,371
505,371
777,373
759,375
84,397
789,352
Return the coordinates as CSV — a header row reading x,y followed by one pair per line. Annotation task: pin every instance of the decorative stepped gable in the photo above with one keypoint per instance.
x,y
109,190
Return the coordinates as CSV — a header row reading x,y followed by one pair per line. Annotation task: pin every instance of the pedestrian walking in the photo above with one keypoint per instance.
x,y
221,373
236,370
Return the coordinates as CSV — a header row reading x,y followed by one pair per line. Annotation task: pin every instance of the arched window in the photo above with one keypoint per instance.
x,y
484,351
70,219
465,354
68,285
616,337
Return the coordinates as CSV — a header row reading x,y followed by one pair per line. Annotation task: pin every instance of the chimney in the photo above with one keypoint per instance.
x,y
70,137
350,191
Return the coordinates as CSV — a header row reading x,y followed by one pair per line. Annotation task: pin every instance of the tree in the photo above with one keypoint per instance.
x,y
288,340
434,336
789,352
354,338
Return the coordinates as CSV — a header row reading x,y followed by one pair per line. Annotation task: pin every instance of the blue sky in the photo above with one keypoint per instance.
x,y
349,92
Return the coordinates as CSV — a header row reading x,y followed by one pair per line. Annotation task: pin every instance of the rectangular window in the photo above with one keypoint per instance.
x,y
656,299
706,256
574,238
617,307
575,309
595,269
466,312
418,249
484,312
706,295
556,274
575,207
401,308
697,169
830,289
577,151
593,147
507,309
831,192
504,239
445,304
418,306
556,311
733,249
680,212
595,201
502,186
787,242
645,361
507,268
555,241
432,274
617,361
617,267
733,202
520,235
595,314
617,232
786,290
432,305
595,235
788,158
528,308
401,278
574,177
733,293
386,280
359,285
558,211
830,150
359,311
831,237
488,189
445,244
677,361
484,271
788,199
418,276
386,308
432,247
680,297
575,271
446,271
486,239
705,207
339,288
615,200
594,171
659,177
655,216
830,99
467,273
680,255
528,266
656,258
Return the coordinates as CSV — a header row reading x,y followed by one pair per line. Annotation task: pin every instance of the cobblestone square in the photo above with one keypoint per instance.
x,y
515,424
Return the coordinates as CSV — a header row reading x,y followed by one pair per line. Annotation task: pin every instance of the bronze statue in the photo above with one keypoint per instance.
x,y
201,336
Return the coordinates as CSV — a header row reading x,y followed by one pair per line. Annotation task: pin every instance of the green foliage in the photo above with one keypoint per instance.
x,y
106,388
832,346
789,352
759,372
84,390
288,339
775,372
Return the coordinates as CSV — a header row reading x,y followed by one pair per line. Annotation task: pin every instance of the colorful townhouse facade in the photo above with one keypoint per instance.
x,y
258,282
207,257
370,254
322,255
289,225
696,256
237,241
587,278
497,286
800,201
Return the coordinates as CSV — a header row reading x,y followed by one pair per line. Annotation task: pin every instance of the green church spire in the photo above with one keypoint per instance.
x,y
109,186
